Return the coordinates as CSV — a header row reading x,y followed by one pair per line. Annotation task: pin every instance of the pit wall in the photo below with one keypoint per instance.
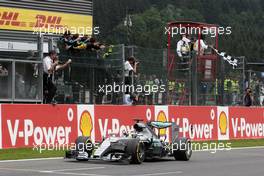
x,y
30,125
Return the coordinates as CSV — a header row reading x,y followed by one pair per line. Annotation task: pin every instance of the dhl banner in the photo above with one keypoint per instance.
x,y
33,20
30,125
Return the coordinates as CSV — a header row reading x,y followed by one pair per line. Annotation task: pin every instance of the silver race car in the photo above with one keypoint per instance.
x,y
141,144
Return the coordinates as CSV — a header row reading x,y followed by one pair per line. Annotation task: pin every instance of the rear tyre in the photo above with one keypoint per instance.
x,y
84,146
182,149
136,150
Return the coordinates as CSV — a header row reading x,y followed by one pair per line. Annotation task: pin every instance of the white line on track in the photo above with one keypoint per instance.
x,y
77,169
34,159
164,173
14,169
242,148
234,148
60,172
72,173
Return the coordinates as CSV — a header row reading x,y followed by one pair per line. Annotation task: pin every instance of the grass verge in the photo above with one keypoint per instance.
x,y
28,153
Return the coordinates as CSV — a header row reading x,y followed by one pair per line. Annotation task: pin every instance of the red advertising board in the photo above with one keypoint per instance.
x,y
246,123
100,121
197,123
30,125
110,119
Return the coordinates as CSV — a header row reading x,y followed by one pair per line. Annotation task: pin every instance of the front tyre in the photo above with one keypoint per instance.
x,y
137,151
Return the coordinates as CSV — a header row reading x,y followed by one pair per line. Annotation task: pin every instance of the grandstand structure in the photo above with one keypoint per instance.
x,y
22,46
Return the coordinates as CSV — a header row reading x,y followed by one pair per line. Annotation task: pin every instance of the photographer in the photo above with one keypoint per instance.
x,y
50,65
129,67
248,97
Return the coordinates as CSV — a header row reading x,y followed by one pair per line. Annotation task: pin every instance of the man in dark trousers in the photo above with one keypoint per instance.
x,y
248,97
50,65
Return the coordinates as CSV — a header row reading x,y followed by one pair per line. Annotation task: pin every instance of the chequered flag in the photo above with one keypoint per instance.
x,y
232,61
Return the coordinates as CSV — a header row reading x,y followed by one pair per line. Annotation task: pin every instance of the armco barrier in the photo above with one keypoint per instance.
x,y
30,125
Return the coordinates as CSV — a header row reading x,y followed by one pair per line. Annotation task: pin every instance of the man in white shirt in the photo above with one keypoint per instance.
x,y
50,65
129,66
183,46
127,100
203,46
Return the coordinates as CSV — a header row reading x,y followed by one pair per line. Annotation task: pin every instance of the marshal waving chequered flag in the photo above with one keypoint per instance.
x,y
232,61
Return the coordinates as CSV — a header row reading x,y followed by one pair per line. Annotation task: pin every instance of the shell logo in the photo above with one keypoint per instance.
x,y
223,123
162,118
86,124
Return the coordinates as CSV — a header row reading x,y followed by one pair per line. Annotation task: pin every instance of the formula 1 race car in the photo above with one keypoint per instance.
x,y
143,143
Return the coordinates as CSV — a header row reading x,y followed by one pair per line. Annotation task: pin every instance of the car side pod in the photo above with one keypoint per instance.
x,y
182,149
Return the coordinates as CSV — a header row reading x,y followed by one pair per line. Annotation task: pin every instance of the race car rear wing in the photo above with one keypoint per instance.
x,y
161,125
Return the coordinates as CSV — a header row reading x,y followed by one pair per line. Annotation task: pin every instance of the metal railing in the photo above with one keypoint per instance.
x,y
21,81
21,77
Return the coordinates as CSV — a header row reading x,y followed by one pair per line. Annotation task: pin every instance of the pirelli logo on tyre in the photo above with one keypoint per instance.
x,y
223,123
86,121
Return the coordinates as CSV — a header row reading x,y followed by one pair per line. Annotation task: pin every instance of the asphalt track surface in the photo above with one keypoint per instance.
x,y
238,162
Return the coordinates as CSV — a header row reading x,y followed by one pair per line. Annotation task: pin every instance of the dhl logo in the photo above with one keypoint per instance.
x,y
37,20
10,19
44,21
